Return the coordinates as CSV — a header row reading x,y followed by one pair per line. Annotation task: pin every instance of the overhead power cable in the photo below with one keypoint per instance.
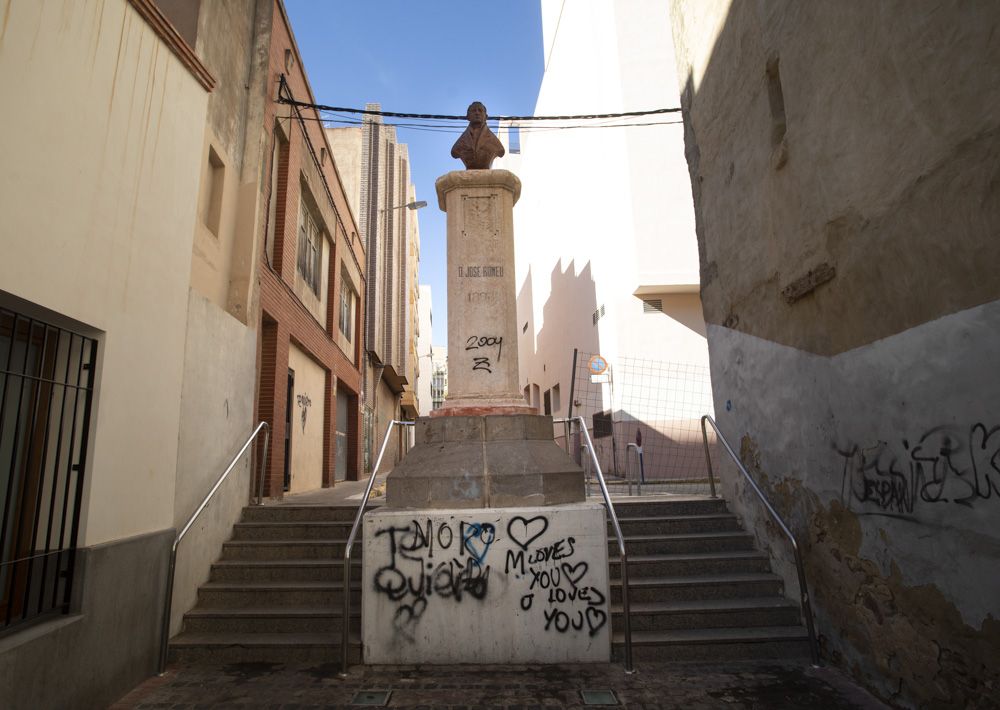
x,y
396,114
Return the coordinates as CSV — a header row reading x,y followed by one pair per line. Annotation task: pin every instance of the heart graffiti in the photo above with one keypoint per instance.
x,y
596,619
407,616
524,531
574,573
477,539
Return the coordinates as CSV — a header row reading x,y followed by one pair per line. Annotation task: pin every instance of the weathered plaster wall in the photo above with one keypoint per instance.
x,y
522,584
217,416
896,503
843,162
308,412
878,172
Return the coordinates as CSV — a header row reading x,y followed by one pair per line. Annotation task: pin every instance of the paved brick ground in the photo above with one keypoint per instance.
x,y
733,686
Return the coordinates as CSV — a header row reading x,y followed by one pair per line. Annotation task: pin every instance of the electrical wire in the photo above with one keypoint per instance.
x,y
457,130
437,116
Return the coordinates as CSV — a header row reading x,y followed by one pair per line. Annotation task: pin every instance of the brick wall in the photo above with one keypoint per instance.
x,y
284,319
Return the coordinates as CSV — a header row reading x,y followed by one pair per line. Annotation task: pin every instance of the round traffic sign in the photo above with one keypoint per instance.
x,y
597,365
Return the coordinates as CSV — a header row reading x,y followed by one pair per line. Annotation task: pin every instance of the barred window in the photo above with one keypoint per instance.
x,y
347,300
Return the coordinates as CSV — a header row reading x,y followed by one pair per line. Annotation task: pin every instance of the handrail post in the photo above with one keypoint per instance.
x,y
708,458
345,638
263,466
172,567
799,566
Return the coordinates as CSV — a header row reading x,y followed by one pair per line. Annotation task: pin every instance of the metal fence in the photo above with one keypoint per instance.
x,y
46,390
644,418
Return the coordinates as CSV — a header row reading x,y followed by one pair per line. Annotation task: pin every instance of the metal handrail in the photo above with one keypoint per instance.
x,y
803,589
618,533
345,643
638,481
165,628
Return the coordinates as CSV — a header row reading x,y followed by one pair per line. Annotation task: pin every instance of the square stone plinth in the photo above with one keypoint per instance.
x,y
484,461
493,585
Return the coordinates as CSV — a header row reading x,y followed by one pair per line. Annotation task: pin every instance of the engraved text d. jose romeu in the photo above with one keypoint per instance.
x,y
480,271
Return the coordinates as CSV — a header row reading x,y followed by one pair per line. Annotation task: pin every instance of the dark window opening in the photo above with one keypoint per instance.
x,y
46,391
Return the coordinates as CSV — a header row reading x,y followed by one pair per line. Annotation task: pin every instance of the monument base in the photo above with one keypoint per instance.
x,y
484,461
488,586
473,407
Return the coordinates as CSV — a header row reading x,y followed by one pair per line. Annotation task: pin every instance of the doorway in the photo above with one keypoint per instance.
x,y
289,403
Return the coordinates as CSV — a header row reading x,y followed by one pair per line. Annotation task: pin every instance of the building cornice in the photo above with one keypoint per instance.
x,y
166,31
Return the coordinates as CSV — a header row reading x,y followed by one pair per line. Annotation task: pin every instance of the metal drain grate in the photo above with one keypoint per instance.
x,y
598,697
372,698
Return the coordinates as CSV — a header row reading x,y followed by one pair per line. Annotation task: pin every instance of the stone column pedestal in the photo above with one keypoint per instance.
x,y
484,461
482,302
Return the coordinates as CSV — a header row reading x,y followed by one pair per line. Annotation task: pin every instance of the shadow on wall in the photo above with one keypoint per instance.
x,y
568,322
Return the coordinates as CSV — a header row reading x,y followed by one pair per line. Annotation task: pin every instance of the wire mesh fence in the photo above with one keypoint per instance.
x,y
644,418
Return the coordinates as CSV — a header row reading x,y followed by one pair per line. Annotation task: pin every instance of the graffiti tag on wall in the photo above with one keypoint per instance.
x,y
946,464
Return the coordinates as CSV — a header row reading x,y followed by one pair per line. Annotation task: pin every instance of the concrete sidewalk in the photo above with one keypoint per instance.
x,y
269,685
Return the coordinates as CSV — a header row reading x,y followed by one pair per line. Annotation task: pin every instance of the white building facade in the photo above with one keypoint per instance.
x,y
606,252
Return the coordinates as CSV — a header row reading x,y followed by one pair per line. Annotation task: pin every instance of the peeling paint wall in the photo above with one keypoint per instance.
x,y
844,170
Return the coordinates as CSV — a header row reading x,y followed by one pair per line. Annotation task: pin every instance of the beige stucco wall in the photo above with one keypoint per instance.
x,y
216,417
307,421
99,203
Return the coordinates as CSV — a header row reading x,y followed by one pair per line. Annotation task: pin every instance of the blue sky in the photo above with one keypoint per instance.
x,y
423,57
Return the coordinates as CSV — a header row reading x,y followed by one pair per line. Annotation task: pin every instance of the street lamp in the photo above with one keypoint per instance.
x,y
415,205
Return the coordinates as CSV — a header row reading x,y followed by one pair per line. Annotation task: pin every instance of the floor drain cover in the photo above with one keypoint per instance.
x,y
374,698
598,697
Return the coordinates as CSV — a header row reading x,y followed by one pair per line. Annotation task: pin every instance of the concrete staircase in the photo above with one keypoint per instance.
x,y
276,593
699,590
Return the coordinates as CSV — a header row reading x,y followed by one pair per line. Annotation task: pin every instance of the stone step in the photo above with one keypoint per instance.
x,y
696,563
676,524
283,570
679,505
301,513
288,549
683,542
691,587
285,620
299,530
708,613
723,644
266,594
262,648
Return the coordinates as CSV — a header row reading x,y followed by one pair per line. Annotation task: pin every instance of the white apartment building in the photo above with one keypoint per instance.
x,y
606,252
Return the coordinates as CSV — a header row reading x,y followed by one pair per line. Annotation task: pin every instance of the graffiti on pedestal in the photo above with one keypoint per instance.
x,y
414,575
448,562
556,583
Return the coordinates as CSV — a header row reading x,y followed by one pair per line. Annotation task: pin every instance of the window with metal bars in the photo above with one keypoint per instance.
x,y
347,300
310,257
46,391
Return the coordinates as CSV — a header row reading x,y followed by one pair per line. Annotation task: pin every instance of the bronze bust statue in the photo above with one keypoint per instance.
x,y
477,148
